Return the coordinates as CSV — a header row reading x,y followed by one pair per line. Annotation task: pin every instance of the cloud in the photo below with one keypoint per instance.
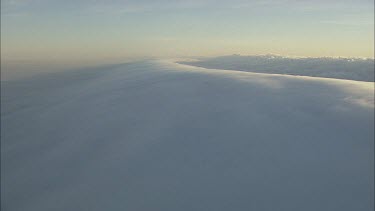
x,y
341,68
347,23
120,7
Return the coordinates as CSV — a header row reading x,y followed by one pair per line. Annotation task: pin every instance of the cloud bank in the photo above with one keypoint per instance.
x,y
340,68
158,136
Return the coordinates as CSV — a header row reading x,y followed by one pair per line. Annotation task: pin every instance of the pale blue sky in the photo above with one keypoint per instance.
x,y
92,29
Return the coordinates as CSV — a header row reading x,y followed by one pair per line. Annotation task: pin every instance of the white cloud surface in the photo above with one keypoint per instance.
x,y
155,135
326,67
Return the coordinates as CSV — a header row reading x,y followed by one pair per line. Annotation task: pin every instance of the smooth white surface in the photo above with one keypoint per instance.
x,y
156,135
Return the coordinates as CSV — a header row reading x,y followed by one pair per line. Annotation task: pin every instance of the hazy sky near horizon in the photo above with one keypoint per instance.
x,y
113,29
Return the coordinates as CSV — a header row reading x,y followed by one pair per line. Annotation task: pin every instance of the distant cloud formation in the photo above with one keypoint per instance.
x,y
340,68
348,22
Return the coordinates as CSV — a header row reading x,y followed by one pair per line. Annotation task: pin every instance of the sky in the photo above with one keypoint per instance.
x,y
96,30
